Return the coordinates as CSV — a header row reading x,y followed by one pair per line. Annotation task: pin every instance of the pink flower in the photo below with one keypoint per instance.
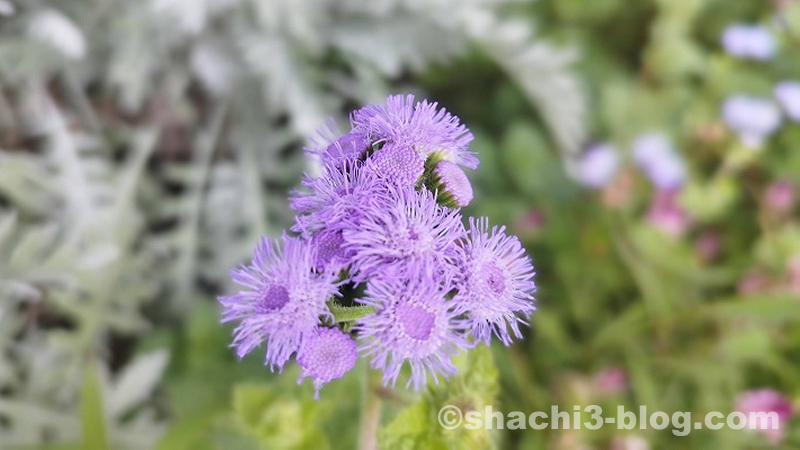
x,y
666,215
708,245
531,223
766,401
630,443
780,197
611,381
794,275
754,282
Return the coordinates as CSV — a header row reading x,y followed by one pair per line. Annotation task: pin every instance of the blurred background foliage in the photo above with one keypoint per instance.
x,y
144,147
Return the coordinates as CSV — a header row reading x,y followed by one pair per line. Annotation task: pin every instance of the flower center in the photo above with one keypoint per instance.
x,y
417,322
329,247
493,278
274,298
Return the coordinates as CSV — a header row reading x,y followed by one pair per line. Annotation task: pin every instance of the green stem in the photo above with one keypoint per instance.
x,y
370,412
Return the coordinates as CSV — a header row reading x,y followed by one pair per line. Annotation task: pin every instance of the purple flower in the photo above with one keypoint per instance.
x,y
400,165
414,323
788,95
766,401
325,355
406,228
282,301
329,247
749,42
598,166
335,198
654,154
421,126
494,281
452,185
753,118
338,150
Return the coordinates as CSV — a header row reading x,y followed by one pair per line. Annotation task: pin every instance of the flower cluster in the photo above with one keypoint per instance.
x,y
749,42
380,263
756,118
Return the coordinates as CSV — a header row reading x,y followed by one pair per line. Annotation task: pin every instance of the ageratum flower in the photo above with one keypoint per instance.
x,y
383,215
337,150
495,282
400,165
282,301
408,227
414,323
328,245
788,95
451,183
654,154
753,118
749,42
421,126
336,198
325,355
598,166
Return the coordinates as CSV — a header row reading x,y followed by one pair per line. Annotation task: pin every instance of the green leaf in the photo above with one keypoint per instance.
x,y
531,164
473,388
190,432
249,402
278,421
92,416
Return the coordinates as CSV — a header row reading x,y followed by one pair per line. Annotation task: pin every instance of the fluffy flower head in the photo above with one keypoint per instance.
x,y
408,227
452,184
654,154
282,300
749,42
335,198
788,95
397,164
753,118
598,166
495,282
414,324
327,354
422,126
